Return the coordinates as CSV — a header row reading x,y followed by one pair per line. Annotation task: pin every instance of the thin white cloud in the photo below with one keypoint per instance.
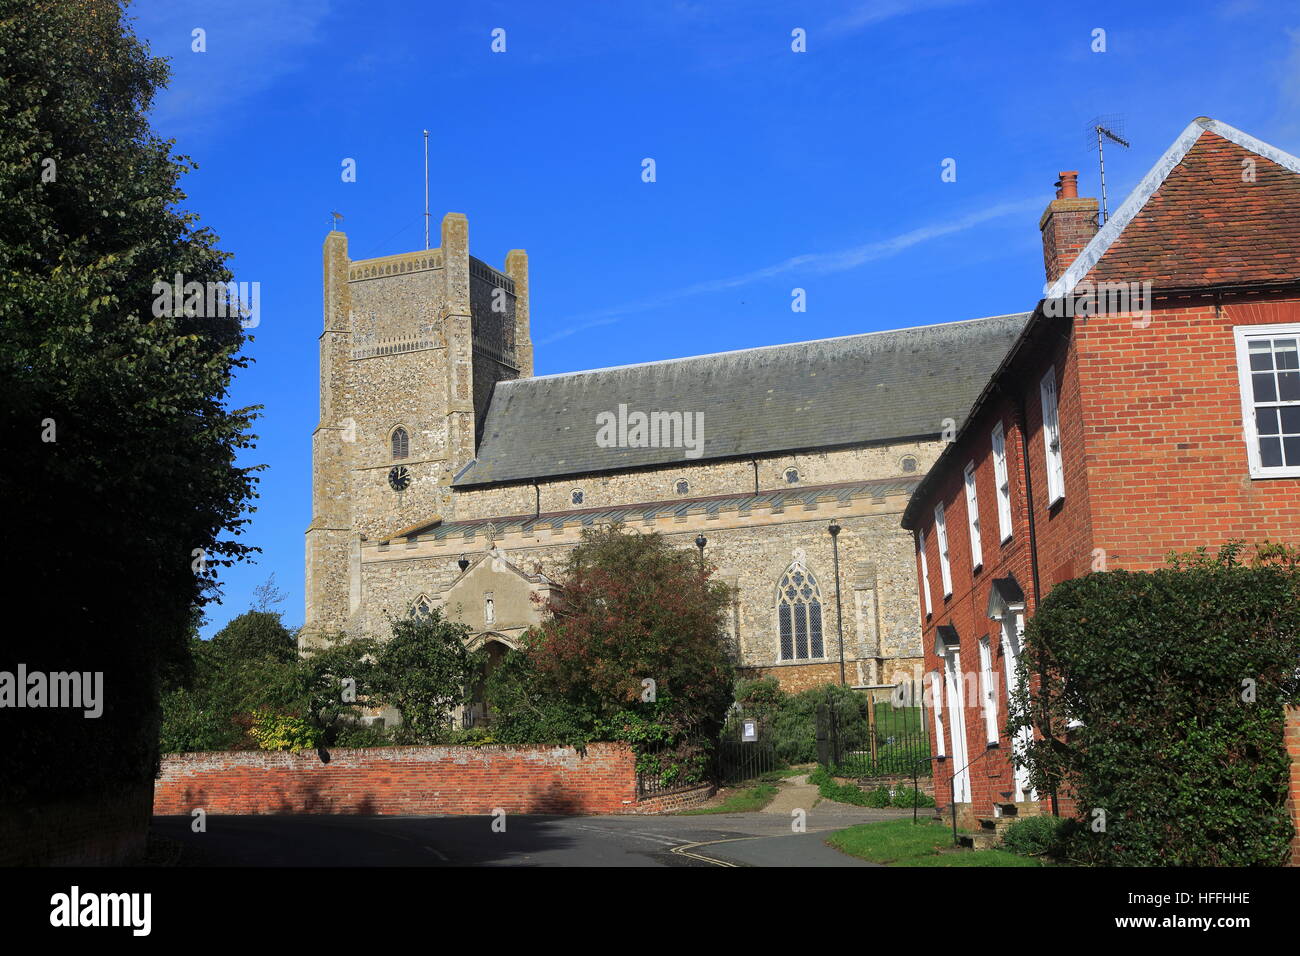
x,y
1289,80
250,44
868,14
823,263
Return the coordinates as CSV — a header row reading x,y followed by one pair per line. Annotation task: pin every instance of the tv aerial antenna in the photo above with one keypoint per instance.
x,y
1104,128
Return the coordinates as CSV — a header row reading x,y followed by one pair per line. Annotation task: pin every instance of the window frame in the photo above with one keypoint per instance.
x,y
1002,483
406,443
988,692
973,517
810,604
1050,400
1242,334
941,540
925,572
937,688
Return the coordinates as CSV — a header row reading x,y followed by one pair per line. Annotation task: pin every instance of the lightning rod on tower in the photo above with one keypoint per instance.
x,y
426,189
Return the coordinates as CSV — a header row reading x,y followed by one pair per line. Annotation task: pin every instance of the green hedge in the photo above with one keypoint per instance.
x,y
1038,836
1179,677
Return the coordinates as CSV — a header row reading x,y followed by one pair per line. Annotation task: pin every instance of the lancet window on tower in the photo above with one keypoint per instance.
x,y
401,443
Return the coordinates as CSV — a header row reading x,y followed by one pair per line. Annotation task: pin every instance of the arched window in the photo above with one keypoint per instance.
x,y
401,443
422,607
799,614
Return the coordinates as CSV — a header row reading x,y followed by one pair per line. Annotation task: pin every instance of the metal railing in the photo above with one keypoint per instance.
x,y
871,735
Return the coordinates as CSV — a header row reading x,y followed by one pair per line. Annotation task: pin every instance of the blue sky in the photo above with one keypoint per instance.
x,y
775,170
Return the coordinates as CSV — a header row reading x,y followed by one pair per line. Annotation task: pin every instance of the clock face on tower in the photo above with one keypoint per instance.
x,y
399,478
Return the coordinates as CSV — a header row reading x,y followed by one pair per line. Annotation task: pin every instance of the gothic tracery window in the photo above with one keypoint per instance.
x,y
799,614
401,443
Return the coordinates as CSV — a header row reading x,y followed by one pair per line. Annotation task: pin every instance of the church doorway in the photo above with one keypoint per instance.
x,y
479,711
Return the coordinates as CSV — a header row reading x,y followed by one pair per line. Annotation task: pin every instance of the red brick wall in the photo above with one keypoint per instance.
x,y
672,802
966,608
402,781
100,830
1162,414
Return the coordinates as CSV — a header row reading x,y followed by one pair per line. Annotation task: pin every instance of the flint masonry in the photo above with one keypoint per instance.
x,y
446,474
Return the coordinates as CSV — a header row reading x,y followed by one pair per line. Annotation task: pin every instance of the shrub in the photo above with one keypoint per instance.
x,y
1036,836
877,798
760,698
908,797
1179,678
848,792
353,734
274,731
794,726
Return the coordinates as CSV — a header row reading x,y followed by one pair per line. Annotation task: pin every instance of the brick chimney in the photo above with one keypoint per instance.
x,y
1068,223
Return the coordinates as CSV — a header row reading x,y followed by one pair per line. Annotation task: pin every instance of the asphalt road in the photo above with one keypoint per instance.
x,y
734,839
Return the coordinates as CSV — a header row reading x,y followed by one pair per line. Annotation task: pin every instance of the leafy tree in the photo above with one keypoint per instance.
x,y
630,610
423,670
528,711
256,634
120,475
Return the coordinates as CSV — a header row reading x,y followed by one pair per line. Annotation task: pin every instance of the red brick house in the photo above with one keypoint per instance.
x,y
1151,404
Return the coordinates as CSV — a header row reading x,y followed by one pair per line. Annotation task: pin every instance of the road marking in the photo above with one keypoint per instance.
x,y
637,834
685,848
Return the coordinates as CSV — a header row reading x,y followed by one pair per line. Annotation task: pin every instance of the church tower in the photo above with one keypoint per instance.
x,y
411,348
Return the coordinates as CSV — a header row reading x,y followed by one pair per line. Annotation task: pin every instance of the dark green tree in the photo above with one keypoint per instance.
x,y
120,477
256,634
423,670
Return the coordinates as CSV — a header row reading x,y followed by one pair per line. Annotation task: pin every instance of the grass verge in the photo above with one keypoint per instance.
x,y
904,843
742,801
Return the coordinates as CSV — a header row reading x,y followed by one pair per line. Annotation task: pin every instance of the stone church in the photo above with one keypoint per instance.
x,y
444,473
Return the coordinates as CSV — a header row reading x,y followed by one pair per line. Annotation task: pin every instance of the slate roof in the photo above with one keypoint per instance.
x,y
778,499
856,389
